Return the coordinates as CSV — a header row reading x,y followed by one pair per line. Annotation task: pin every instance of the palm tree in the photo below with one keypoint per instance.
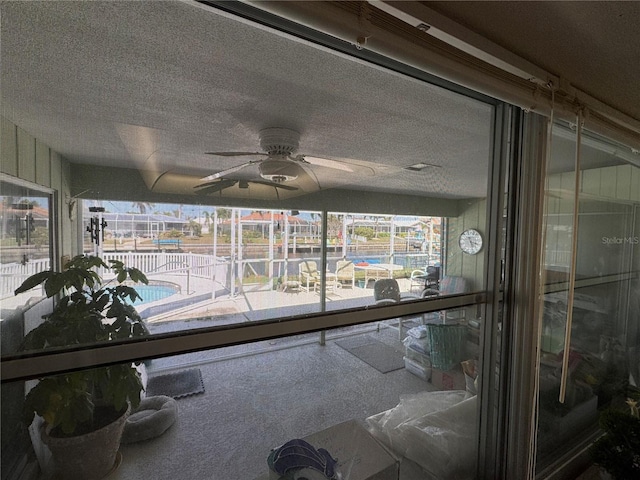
x,y
195,228
208,218
223,214
143,207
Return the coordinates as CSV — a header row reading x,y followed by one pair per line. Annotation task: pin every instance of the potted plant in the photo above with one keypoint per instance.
x,y
86,405
618,451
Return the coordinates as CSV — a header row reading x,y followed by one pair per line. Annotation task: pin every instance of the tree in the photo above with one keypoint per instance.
x,y
207,218
224,213
29,203
195,228
143,207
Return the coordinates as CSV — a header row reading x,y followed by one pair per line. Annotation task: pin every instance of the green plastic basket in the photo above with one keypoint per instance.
x,y
447,345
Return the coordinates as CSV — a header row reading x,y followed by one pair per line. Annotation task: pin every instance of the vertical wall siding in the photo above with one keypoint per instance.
x,y
8,148
621,182
68,245
24,157
43,164
469,266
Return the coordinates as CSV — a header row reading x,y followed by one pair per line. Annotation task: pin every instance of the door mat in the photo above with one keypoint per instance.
x,y
379,355
176,384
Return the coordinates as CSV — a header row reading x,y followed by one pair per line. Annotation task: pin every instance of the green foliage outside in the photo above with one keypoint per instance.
x,y
172,234
367,232
195,228
262,279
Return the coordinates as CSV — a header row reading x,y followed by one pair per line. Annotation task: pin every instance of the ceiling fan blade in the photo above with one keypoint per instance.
x,y
236,154
274,184
325,162
213,187
226,172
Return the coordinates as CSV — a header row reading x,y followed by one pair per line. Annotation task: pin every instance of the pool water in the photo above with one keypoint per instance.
x,y
153,293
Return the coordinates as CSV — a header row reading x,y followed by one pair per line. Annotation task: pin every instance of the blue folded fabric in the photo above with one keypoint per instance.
x,y
298,454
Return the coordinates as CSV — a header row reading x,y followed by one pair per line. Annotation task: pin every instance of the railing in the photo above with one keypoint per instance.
x,y
13,274
558,258
203,266
197,265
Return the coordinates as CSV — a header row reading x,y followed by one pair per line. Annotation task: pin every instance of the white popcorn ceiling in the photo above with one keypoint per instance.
x,y
154,85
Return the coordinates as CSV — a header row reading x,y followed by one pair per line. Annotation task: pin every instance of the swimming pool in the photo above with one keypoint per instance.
x,y
154,292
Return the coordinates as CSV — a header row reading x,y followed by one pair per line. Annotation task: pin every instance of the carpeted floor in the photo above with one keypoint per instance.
x,y
255,402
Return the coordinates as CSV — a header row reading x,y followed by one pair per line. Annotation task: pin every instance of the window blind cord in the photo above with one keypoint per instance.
x,y
574,257
533,444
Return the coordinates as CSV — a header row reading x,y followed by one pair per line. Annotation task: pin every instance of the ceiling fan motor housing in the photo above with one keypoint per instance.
x,y
279,141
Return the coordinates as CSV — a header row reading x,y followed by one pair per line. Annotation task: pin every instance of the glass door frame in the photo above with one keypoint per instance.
x,y
493,427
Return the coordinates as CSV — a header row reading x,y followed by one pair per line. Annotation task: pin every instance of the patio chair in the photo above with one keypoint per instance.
x,y
429,278
449,285
309,274
386,291
346,272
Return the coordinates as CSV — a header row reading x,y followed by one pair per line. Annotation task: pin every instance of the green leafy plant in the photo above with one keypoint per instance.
x,y
618,451
87,312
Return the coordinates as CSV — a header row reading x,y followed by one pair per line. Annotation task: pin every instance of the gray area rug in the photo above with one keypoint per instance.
x,y
379,355
176,384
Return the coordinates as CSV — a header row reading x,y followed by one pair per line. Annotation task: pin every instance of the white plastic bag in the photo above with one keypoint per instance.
x,y
436,430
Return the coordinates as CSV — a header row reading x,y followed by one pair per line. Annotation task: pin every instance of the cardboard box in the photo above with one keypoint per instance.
x,y
448,379
360,456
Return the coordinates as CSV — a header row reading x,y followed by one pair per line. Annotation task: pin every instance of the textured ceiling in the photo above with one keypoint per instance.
x,y
594,45
153,85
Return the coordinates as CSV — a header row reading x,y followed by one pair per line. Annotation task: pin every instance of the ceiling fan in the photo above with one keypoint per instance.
x,y
220,184
279,166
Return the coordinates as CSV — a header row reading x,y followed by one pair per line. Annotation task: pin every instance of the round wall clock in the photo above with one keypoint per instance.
x,y
470,241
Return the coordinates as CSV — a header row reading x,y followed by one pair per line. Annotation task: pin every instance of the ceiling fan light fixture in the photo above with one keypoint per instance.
x,y
278,171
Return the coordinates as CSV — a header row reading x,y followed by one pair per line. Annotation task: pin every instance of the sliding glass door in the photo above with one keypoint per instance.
x,y
589,323
358,289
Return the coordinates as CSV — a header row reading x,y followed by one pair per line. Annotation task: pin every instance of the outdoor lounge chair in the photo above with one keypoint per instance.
x,y
346,272
309,274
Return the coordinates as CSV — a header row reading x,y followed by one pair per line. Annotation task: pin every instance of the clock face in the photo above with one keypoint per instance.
x,y
470,241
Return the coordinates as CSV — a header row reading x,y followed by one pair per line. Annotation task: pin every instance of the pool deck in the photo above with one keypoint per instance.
x,y
252,303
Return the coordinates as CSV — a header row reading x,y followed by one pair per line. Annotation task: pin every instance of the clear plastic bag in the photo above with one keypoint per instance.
x,y
436,430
